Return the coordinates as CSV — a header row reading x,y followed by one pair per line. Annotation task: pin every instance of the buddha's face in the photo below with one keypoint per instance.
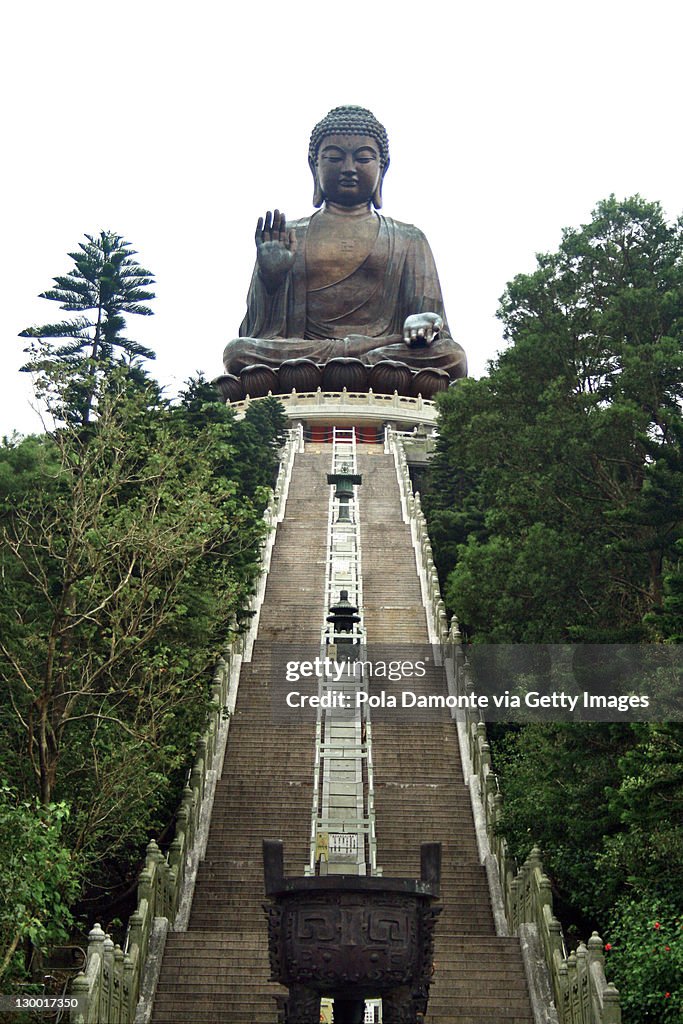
x,y
349,169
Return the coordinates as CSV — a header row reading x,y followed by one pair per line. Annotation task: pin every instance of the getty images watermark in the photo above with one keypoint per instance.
x,y
502,682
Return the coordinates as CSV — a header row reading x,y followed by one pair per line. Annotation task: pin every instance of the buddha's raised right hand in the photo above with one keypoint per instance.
x,y
275,249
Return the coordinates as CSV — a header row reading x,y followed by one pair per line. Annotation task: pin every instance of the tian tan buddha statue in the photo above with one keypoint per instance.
x,y
346,297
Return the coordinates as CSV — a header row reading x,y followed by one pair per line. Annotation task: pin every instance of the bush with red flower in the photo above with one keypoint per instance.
x,y
645,959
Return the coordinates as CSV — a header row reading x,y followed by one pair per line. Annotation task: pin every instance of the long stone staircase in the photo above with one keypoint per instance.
x,y
217,971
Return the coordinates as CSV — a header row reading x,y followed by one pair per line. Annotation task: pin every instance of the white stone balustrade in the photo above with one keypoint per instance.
x,y
580,991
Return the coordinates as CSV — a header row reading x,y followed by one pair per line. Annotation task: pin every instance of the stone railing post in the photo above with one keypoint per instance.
x,y
197,778
107,979
605,996
117,1007
611,1007
145,886
186,807
572,986
88,985
582,981
81,989
130,994
513,903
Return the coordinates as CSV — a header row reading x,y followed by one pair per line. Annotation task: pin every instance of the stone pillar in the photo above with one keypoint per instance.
x,y
398,1006
303,1005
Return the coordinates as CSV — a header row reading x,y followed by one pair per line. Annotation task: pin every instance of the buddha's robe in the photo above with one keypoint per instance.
x,y
359,314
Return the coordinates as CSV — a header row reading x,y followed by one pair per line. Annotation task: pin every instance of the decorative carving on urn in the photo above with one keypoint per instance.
x,y
352,938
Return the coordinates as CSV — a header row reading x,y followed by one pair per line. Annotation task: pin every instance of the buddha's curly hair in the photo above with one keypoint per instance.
x,y
350,121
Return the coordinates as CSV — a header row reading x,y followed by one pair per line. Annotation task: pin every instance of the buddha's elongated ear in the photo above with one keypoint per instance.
x,y
377,194
318,194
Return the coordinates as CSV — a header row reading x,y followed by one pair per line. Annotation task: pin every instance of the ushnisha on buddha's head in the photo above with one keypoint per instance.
x,y
348,155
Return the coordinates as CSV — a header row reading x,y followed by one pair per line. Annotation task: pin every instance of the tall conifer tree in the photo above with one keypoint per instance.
x,y
107,280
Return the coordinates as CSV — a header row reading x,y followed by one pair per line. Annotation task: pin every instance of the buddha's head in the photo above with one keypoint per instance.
x,y
348,155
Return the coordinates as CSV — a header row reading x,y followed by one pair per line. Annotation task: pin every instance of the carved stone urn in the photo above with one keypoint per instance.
x,y
352,938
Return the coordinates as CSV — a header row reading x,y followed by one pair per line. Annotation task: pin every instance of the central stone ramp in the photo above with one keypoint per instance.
x,y
420,792
217,972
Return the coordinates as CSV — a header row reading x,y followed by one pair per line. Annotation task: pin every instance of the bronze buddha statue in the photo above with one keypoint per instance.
x,y
347,281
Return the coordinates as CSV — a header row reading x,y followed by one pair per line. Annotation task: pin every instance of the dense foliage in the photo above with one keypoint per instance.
x,y
38,877
557,493
126,550
130,537
555,507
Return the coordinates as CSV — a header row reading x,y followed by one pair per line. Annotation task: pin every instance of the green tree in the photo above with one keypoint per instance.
x,y
256,439
125,552
109,281
668,622
555,495
549,774
38,878
262,419
647,801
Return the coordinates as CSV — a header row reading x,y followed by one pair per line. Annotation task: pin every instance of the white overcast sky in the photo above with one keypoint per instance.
x,y
176,125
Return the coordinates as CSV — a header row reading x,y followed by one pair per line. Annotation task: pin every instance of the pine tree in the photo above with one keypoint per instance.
x,y
109,281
